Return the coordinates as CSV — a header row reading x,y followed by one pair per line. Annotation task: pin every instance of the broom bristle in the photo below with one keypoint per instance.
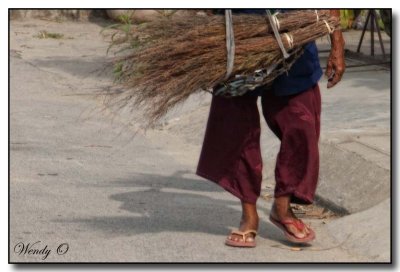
x,y
180,56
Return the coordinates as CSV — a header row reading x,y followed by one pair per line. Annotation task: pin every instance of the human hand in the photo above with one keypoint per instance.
x,y
336,63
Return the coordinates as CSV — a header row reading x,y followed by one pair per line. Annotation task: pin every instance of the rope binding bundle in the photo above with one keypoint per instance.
x,y
240,84
172,58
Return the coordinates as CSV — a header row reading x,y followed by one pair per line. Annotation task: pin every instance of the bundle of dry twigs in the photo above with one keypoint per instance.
x,y
176,57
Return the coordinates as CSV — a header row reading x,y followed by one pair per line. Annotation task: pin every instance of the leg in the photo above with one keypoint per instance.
x,y
282,212
231,155
249,221
296,121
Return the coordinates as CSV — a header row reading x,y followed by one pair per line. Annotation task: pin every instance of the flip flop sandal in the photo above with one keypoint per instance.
x,y
290,236
241,242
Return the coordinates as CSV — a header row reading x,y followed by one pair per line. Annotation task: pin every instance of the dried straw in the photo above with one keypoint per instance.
x,y
178,57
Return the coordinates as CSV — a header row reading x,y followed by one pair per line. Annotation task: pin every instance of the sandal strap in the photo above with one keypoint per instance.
x,y
250,231
298,223
244,233
238,232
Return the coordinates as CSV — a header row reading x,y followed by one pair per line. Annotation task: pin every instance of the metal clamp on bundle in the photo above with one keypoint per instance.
x,y
241,84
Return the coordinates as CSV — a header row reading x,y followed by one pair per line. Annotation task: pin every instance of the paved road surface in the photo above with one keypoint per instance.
x,y
78,177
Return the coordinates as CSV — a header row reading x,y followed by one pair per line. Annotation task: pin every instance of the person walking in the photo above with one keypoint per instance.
x,y
231,155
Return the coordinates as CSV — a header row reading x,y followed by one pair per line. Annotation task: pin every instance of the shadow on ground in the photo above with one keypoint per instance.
x,y
173,203
83,67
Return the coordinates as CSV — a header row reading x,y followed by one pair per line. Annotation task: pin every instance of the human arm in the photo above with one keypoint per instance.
x,y
336,63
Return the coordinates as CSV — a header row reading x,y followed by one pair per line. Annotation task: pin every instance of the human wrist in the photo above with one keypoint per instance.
x,y
337,40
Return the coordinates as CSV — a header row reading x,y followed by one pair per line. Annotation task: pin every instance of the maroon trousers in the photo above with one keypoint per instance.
x,y
231,155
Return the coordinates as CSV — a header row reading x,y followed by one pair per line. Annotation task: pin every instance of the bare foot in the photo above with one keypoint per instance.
x,y
281,211
249,221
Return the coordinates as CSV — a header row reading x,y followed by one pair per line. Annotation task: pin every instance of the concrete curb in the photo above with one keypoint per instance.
x,y
349,182
354,167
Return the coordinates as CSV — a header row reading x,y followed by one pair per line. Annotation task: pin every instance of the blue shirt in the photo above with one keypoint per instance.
x,y
304,73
